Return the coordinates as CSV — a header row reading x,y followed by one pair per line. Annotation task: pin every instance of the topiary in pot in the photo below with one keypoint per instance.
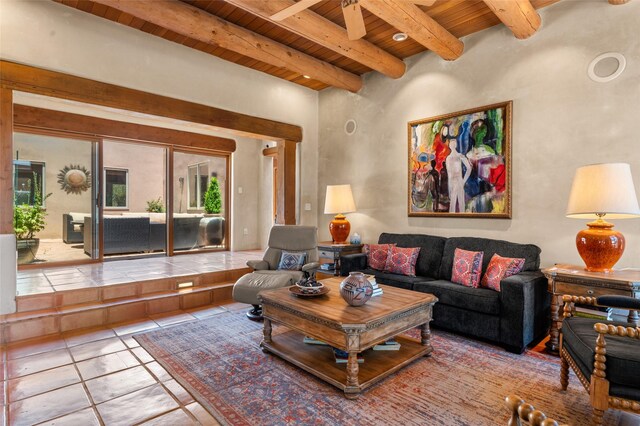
x,y
213,197
212,229
155,206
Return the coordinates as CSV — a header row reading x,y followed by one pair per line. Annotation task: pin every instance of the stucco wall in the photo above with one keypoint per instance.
x,y
53,36
561,120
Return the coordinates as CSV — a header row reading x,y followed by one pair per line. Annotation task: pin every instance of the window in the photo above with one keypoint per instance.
x,y
198,175
116,194
28,182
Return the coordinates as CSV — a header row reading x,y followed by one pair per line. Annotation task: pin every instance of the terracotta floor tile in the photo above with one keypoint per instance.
x,y
48,405
123,382
158,371
142,355
74,338
97,348
179,392
171,318
137,406
202,415
86,417
34,384
35,346
236,306
40,362
205,312
176,417
133,327
106,364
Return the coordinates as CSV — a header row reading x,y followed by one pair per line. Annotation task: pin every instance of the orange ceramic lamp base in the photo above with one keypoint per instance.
x,y
339,229
600,246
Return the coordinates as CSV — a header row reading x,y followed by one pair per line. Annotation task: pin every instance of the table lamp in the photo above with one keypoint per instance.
x,y
339,200
601,190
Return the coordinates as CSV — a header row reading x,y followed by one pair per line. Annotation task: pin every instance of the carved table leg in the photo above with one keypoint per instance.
x,y
266,333
352,390
633,317
556,320
425,337
564,373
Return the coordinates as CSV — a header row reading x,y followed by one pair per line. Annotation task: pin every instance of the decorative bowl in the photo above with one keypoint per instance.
x,y
309,286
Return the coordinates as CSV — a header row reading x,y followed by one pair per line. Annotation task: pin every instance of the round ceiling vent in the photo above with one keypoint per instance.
x,y
350,126
606,67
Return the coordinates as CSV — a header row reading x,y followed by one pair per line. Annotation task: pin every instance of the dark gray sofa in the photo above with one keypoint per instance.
x,y
513,317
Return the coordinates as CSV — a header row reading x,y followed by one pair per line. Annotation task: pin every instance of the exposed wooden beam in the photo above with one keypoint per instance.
x,y
270,152
41,118
286,202
519,15
424,2
50,83
618,2
353,19
292,9
197,24
314,27
410,19
6,161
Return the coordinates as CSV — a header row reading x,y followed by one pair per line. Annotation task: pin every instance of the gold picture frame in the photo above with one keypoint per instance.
x,y
459,164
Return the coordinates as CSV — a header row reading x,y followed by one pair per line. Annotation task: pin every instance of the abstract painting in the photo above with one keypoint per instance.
x,y
460,163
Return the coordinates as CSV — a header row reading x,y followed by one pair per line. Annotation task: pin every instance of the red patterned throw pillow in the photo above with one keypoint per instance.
x,y
377,255
500,268
402,261
467,267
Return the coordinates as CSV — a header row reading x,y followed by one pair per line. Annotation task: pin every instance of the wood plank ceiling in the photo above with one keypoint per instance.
x,y
458,17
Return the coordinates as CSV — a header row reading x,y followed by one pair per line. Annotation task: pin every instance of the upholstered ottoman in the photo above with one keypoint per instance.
x,y
246,289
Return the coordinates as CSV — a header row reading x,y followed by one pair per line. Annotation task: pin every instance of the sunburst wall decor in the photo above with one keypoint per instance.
x,y
74,179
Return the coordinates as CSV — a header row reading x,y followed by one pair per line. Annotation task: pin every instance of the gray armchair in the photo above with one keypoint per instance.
x,y
265,275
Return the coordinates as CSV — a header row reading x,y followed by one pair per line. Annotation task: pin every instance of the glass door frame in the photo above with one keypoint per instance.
x,y
96,206
227,198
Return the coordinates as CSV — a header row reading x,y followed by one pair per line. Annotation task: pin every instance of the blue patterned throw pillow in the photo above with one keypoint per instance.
x,y
292,261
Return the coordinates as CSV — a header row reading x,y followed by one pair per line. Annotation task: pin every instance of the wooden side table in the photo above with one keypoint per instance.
x,y
332,252
576,281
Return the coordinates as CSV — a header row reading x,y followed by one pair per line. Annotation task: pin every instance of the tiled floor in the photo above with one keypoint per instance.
x,y
98,377
47,280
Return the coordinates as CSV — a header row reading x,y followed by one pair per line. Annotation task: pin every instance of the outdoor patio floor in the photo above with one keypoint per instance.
x,y
51,279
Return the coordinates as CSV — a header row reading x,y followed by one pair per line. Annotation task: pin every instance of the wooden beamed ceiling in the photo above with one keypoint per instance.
x,y
314,42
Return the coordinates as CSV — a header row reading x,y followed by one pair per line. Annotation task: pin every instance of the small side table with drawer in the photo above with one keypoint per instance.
x,y
577,281
332,253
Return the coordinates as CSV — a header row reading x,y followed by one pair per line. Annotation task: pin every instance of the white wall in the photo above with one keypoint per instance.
x,y
561,120
56,37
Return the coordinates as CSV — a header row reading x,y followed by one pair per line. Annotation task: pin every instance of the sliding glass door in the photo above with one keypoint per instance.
x,y
55,212
200,199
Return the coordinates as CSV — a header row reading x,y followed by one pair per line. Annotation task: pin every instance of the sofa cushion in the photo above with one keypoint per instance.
x,y
428,263
530,252
623,353
402,261
467,268
395,280
500,268
377,255
469,298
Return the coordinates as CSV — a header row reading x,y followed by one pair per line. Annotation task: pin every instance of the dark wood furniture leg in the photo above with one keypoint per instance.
x,y
425,337
556,320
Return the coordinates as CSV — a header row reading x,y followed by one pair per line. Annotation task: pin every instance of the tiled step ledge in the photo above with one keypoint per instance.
x,y
58,299
28,325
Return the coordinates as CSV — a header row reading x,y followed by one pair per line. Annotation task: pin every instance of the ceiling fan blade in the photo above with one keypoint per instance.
x,y
293,9
423,2
353,19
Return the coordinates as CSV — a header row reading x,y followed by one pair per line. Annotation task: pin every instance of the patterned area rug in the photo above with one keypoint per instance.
x,y
464,382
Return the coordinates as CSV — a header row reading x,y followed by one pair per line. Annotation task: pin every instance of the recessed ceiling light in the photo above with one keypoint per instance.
x,y
306,76
400,37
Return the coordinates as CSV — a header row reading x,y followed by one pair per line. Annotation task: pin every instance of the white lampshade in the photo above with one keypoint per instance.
x,y
339,199
604,189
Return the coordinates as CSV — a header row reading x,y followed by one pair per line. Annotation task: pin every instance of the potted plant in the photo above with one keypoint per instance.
x,y
212,225
155,206
27,221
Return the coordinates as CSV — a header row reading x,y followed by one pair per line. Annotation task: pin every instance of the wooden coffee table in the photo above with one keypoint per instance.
x,y
352,329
